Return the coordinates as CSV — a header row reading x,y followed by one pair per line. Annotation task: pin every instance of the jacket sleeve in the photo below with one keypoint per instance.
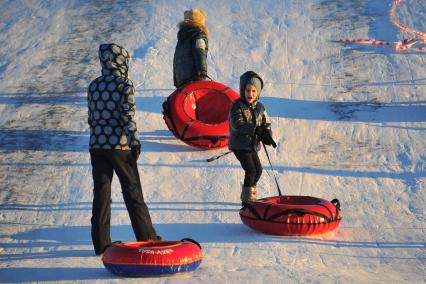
x,y
199,51
128,110
237,122
89,104
266,122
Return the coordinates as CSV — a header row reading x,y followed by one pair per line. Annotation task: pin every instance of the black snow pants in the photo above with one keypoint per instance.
x,y
123,163
251,164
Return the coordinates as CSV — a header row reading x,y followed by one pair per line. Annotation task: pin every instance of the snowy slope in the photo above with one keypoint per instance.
x,y
350,121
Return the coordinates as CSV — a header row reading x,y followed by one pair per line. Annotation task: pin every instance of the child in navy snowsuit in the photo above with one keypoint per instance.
x,y
249,124
190,57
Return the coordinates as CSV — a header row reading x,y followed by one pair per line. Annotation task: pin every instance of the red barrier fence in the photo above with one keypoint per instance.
x,y
402,45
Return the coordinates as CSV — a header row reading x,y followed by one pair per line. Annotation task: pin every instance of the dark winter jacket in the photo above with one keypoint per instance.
x,y
190,58
244,118
111,102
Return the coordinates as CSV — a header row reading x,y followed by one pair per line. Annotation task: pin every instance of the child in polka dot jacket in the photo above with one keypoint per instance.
x,y
115,147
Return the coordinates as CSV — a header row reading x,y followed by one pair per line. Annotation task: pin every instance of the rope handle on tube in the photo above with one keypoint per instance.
x,y
336,203
296,211
299,212
275,177
192,241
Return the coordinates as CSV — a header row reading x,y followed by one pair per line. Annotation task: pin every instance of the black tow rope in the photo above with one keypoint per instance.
x,y
276,181
217,157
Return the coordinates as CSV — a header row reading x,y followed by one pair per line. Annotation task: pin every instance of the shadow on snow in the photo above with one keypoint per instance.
x,y
78,141
53,237
346,111
368,111
27,274
78,99
408,177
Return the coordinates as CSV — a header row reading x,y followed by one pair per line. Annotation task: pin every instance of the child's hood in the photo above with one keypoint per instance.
x,y
245,78
114,59
188,30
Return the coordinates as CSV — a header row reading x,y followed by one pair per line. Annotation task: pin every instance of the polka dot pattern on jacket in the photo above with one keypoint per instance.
x,y
111,102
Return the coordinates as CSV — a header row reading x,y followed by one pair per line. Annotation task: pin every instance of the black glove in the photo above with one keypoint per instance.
x,y
266,138
136,151
259,131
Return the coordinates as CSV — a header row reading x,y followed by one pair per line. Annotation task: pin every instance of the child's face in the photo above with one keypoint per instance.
x,y
250,93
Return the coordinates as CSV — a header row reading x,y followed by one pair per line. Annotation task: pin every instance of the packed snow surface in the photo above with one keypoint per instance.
x,y
350,122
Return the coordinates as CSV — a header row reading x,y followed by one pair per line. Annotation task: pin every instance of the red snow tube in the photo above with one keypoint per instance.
x,y
152,258
292,215
198,113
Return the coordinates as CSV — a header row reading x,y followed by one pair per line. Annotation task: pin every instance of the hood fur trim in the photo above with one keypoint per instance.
x,y
197,18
